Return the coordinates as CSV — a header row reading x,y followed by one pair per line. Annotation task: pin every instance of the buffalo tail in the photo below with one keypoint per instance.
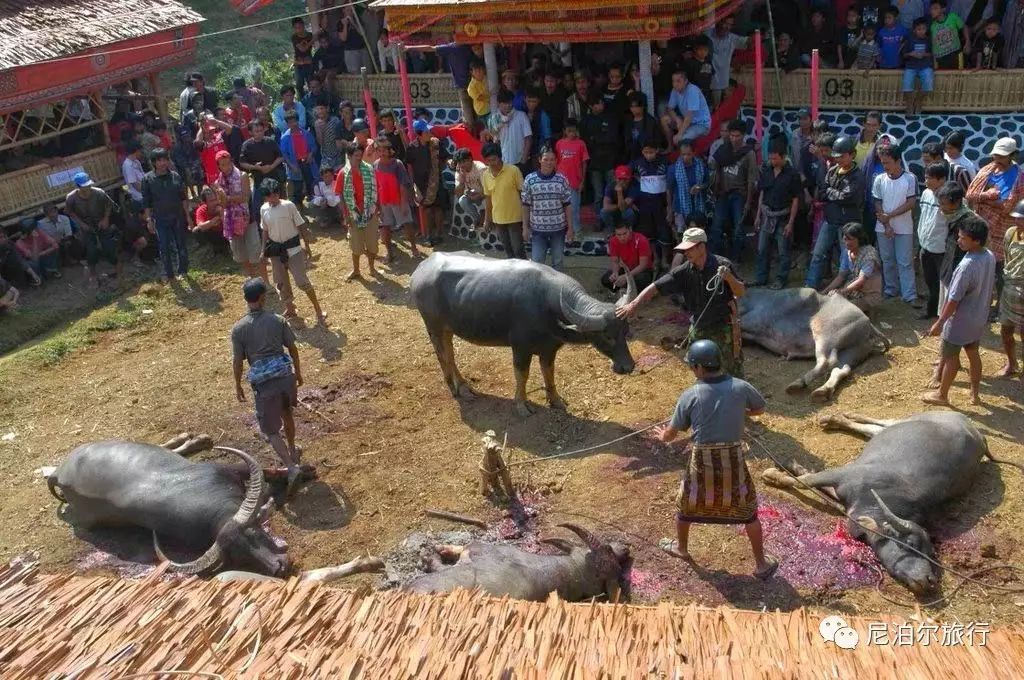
x,y
879,335
988,454
51,483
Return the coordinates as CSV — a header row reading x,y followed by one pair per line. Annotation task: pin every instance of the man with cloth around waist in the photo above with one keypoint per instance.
x,y
717,487
261,338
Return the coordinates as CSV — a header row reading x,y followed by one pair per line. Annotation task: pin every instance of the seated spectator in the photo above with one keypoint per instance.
x,y
891,38
946,30
620,197
820,36
868,50
917,65
628,250
700,69
468,187
847,39
641,127
13,266
58,227
39,251
8,296
860,271
478,90
326,201
687,184
688,116
988,47
787,55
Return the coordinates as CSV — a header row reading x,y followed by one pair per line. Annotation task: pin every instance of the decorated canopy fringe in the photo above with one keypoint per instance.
x,y
67,626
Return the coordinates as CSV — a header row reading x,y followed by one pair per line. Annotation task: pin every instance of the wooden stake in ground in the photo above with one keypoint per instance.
x,y
493,472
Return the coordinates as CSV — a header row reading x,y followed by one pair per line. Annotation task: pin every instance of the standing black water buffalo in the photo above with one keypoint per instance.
x,y
907,468
121,483
581,572
512,303
800,323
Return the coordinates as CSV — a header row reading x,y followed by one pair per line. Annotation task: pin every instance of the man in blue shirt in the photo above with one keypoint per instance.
x,y
688,116
717,487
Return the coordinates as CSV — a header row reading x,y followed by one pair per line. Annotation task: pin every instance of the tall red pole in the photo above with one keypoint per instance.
x,y
403,74
815,75
758,91
371,115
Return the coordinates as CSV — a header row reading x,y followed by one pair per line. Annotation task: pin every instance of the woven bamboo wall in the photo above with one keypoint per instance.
x,y
65,626
955,91
28,189
427,89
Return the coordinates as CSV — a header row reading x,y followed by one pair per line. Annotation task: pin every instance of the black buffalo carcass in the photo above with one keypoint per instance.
x,y
907,469
800,323
513,303
580,572
210,506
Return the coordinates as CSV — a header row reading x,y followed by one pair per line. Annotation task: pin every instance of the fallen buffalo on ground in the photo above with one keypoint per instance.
x,y
512,303
122,483
580,573
800,323
907,469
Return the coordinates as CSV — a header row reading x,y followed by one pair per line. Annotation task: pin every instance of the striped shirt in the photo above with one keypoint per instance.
x,y
546,197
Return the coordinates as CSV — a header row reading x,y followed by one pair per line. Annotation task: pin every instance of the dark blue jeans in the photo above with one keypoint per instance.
x,y
170,235
824,247
764,253
727,225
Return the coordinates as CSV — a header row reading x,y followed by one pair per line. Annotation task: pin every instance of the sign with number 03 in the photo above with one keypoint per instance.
x,y
839,87
419,89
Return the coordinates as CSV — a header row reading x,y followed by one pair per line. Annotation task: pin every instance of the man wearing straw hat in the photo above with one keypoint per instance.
x,y
717,487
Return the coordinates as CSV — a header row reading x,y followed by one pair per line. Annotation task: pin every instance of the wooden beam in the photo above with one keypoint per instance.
x,y
161,101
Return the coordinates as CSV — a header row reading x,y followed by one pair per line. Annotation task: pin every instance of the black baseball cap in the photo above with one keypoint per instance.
x,y
253,289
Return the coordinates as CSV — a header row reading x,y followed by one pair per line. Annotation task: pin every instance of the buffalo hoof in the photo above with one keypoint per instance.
x,y
774,477
820,395
557,403
827,421
465,392
523,409
795,387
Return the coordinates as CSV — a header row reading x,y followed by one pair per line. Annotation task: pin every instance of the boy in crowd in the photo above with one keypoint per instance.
x,y
614,93
478,90
723,44
868,50
964,317
654,202
640,127
394,193
394,134
988,46
931,235
780,189
302,48
733,178
503,185
547,211
359,194
618,199
58,227
961,168
931,152
511,129
468,188
917,65
819,37
699,68
602,134
849,35
326,201
688,116
687,186
540,125
298,147
891,37
572,164
427,158
946,30
895,197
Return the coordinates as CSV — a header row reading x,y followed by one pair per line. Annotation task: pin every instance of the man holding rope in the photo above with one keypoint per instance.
x,y
708,287
717,487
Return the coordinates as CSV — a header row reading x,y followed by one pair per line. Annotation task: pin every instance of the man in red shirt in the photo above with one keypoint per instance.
x,y
39,251
628,250
239,115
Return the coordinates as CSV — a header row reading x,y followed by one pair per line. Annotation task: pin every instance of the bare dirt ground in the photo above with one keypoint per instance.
x,y
393,442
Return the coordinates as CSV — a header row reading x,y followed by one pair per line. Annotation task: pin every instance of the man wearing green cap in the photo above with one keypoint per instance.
x,y
708,286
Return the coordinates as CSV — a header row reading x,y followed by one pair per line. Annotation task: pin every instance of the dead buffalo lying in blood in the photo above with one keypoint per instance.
x,y
907,470
216,508
800,323
580,572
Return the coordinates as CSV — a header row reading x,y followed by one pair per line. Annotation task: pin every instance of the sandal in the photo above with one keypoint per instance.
x,y
769,571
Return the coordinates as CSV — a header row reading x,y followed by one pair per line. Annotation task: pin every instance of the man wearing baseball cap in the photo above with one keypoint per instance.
x,y
708,286
620,196
994,192
843,195
262,338
89,208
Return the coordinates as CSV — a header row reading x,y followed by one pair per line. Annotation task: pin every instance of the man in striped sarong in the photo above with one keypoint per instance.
x,y
717,487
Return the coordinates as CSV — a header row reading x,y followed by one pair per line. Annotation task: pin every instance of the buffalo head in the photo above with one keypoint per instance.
x,y
604,563
908,567
242,540
597,322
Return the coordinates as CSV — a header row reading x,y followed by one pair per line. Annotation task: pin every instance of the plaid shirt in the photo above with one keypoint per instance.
x,y
359,214
683,203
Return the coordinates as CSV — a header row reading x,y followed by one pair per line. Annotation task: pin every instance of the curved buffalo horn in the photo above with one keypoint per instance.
x,y
560,543
631,291
247,512
903,524
584,323
589,539
208,561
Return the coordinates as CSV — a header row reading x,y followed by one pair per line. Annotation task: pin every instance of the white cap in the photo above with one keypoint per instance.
x,y
1007,146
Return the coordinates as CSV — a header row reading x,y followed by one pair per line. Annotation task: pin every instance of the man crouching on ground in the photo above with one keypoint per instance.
x,y
717,487
261,338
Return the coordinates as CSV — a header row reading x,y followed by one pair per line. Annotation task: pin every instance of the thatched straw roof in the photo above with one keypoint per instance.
x,y
66,626
38,30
